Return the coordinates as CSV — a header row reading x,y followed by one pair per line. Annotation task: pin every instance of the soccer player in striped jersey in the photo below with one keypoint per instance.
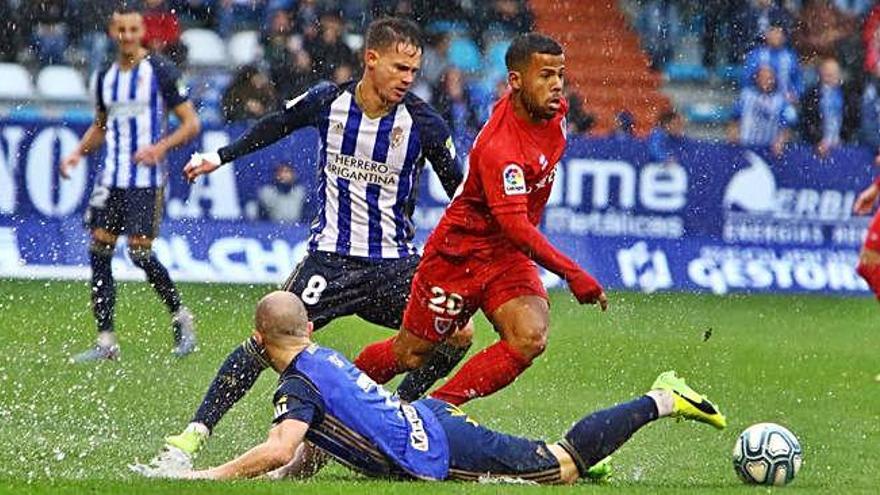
x,y
375,137
133,98
326,406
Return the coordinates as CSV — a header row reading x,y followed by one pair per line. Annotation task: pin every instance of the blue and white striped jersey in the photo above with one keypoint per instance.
x,y
762,116
368,169
136,102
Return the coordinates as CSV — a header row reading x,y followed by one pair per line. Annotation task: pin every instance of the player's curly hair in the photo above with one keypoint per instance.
x,y
389,31
525,45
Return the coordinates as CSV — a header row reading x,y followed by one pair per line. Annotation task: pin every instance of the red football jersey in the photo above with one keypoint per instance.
x,y
511,169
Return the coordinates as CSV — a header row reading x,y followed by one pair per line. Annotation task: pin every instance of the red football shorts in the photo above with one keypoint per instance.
x,y
872,240
446,292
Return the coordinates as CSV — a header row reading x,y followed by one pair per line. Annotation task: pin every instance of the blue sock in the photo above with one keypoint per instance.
x,y
235,377
103,287
596,436
157,275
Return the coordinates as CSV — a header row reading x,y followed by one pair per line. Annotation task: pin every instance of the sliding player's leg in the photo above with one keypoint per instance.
x,y
869,257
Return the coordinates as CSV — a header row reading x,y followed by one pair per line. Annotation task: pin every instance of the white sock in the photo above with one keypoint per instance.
x,y
198,428
664,400
106,339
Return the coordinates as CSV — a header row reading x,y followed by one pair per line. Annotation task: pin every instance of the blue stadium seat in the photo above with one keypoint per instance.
x,y
684,72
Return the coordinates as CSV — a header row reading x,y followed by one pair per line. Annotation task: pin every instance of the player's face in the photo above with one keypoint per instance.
x,y
127,30
541,84
393,70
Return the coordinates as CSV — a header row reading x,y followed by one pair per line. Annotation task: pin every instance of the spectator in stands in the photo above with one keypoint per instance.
x,y
201,13
50,34
284,200
870,114
755,17
717,15
249,95
10,31
659,25
782,59
762,115
237,15
580,122
89,24
290,66
507,17
822,30
162,30
871,39
435,59
827,116
452,101
329,51
666,138
624,125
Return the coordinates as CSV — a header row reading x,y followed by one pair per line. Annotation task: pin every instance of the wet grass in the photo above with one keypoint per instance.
x,y
805,362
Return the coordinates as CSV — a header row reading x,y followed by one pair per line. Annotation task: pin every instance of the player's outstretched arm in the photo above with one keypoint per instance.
x,y
528,239
278,450
187,130
91,140
865,202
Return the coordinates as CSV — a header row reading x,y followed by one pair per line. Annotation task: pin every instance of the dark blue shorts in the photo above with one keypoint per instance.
x,y
476,451
332,286
126,211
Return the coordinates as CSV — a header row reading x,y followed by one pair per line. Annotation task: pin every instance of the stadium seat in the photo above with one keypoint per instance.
x,y
61,82
244,47
464,54
205,47
17,83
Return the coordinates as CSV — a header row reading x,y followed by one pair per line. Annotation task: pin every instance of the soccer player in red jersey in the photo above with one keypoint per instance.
x,y
869,257
483,254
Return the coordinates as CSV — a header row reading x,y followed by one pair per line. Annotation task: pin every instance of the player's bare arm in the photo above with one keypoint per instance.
x,y
278,450
91,140
865,202
187,130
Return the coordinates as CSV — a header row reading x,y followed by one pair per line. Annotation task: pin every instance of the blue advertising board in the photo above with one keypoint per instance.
x,y
724,218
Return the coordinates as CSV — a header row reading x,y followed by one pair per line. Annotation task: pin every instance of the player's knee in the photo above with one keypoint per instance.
x,y
463,337
140,255
103,238
102,249
410,358
530,341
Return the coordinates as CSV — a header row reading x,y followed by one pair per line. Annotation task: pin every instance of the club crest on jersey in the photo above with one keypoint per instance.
x,y
396,137
514,180
442,325
338,128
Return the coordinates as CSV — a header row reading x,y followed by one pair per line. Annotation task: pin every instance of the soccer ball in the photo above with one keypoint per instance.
x,y
767,454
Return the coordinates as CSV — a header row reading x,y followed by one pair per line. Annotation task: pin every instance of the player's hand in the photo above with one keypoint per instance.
x,y
201,164
865,202
151,154
69,163
587,290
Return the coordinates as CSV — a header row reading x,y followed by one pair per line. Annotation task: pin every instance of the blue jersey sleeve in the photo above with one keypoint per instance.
x,y
99,91
168,76
296,398
302,111
437,145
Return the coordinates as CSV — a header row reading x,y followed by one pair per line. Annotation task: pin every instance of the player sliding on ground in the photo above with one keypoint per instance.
x,y
374,139
482,255
133,97
324,402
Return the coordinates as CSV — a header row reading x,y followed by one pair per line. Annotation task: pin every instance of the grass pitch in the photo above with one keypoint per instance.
x,y
806,362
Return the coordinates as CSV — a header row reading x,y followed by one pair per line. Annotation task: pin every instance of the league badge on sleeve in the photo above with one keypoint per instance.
x,y
514,180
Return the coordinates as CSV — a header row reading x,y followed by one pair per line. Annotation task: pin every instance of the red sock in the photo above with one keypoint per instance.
x,y
492,369
871,274
378,361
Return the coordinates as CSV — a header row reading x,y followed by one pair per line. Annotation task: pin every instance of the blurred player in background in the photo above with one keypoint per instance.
x,y
482,254
375,137
323,404
133,98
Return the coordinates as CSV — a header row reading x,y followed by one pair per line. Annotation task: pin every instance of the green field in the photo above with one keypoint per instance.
x,y
806,362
